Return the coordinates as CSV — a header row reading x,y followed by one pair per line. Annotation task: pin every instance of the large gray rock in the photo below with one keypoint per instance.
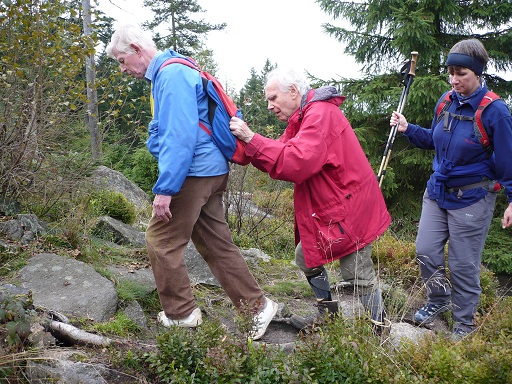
x,y
60,366
198,270
134,311
9,292
25,228
106,178
9,207
143,278
12,229
116,231
69,286
404,332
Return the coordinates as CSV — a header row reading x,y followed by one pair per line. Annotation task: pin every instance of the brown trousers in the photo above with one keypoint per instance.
x,y
198,214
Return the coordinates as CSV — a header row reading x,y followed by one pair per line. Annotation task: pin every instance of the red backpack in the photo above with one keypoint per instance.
x,y
477,118
220,110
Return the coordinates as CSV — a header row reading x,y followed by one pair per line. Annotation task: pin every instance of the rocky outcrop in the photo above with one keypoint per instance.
x,y
61,366
23,229
69,286
111,180
115,231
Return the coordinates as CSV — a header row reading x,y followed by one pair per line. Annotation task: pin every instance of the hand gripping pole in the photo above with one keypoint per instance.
x,y
407,81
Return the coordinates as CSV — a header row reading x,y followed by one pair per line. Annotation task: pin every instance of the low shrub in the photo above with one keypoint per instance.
x,y
14,323
120,325
496,254
113,204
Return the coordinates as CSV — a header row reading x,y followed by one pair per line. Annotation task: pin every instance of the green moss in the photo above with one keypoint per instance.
x,y
113,204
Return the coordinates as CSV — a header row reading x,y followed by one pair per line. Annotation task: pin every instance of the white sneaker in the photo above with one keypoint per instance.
x,y
263,319
191,321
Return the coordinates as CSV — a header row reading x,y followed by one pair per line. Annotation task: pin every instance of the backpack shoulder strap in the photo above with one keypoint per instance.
x,y
207,77
228,103
181,60
443,106
189,62
478,125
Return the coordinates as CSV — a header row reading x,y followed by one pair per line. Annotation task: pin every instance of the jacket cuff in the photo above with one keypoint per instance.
x,y
254,145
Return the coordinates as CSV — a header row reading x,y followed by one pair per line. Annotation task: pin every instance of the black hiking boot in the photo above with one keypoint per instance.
x,y
308,323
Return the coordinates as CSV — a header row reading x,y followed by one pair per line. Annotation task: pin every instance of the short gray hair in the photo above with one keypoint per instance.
x,y
285,78
126,35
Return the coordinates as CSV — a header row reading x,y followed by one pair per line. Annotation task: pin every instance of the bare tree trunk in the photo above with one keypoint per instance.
x,y
92,96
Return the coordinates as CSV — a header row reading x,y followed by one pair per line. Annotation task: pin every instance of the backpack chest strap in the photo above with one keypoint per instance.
x,y
446,115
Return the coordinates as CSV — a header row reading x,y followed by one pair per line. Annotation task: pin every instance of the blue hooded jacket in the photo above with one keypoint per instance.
x,y
180,146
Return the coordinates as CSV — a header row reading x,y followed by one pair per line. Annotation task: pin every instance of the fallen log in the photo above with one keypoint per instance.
x,y
70,334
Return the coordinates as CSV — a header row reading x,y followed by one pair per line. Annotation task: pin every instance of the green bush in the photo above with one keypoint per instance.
x,y
496,254
113,204
210,355
482,358
275,237
14,324
181,352
396,258
490,286
120,325
144,171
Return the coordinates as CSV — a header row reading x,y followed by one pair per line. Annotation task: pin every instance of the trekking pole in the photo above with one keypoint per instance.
x,y
409,69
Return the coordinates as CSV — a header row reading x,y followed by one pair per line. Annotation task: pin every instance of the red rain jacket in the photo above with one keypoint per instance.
x,y
339,207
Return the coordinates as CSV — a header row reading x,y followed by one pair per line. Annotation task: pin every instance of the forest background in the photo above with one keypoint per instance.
x,y
65,108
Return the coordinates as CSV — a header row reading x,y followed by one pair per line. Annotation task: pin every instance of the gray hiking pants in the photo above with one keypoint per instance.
x,y
356,268
465,230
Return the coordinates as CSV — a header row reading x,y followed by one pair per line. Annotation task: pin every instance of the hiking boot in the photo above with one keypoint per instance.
x,y
191,321
458,334
325,308
374,305
305,323
427,313
461,331
263,319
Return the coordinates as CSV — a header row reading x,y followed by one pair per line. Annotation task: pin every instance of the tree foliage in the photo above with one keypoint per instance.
x,y
185,32
386,31
254,106
42,95
381,36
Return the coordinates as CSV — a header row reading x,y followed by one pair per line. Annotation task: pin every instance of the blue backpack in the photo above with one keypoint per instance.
x,y
220,110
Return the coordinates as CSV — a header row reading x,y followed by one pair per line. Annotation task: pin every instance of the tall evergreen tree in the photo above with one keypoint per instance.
x,y
380,36
185,33
254,106
386,31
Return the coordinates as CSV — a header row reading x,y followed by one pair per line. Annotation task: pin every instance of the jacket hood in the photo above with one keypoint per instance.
x,y
321,94
325,93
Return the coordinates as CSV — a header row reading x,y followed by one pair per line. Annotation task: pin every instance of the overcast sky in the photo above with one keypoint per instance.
x,y
287,32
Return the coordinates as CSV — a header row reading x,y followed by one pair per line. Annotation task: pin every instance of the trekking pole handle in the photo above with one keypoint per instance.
x,y
414,59
394,130
410,77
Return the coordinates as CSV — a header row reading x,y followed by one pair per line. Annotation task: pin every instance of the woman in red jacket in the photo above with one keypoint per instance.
x,y
339,208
